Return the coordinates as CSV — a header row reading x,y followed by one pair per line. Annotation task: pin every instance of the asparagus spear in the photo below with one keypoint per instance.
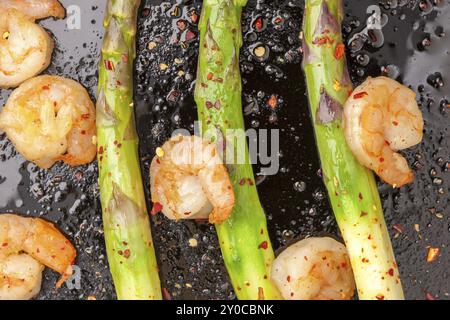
x,y
351,187
128,238
243,238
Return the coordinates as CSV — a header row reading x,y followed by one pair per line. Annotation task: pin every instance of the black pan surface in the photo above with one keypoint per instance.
x,y
413,47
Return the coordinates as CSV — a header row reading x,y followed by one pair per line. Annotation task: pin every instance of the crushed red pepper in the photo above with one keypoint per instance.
x,y
264,245
360,95
339,51
157,207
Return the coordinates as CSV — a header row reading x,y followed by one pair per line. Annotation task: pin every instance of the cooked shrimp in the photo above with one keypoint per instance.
x,y
24,240
50,118
20,277
37,9
314,269
382,117
190,181
25,48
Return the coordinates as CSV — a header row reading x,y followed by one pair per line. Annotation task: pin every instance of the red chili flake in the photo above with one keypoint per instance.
x,y
242,182
120,252
157,207
278,20
45,88
126,253
124,243
210,76
381,159
125,58
250,182
288,278
264,245
209,104
83,132
380,297
429,296
344,265
109,65
360,95
85,116
350,91
387,143
339,51
4,244
100,150
395,123
292,294
397,227
391,272
360,196
259,24
365,260
273,101
166,294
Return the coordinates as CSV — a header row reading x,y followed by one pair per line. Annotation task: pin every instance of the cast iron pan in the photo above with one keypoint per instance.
x,y
413,47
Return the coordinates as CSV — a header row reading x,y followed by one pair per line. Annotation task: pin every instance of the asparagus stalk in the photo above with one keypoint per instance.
x,y
128,238
243,238
351,187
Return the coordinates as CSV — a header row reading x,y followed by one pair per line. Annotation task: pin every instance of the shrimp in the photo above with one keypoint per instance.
x,y
26,244
36,9
190,181
314,269
25,48
50,118
380,118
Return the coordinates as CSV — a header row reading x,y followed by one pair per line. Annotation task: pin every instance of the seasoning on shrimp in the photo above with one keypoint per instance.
x,y
314,269
381,118
190,181
48,125
32,244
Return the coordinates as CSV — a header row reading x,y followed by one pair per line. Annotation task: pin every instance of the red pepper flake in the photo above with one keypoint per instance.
x,y
126,253
85,116
288,279
395,123
157,207
273,101
387,143
83,132
380,297
264,245
100,150
323,40
339,51
259,24
125,58
208,104
210,76
166,294
4,244
344,265
109,65
45,88
381,159
360,95
120,252
242,181
365,260
429,296
391,272
250,182
350,91
397,227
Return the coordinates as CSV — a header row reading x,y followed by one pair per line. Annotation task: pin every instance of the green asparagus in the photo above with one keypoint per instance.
x,y
351,187
243,238
128,238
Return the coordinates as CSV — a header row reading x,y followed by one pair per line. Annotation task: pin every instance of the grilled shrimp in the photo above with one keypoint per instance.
x,y
27,244
380,118
36,9
25,47
50,118
190,181
314,269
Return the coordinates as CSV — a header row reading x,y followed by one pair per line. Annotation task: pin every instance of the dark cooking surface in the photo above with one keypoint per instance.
x,y
418,215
